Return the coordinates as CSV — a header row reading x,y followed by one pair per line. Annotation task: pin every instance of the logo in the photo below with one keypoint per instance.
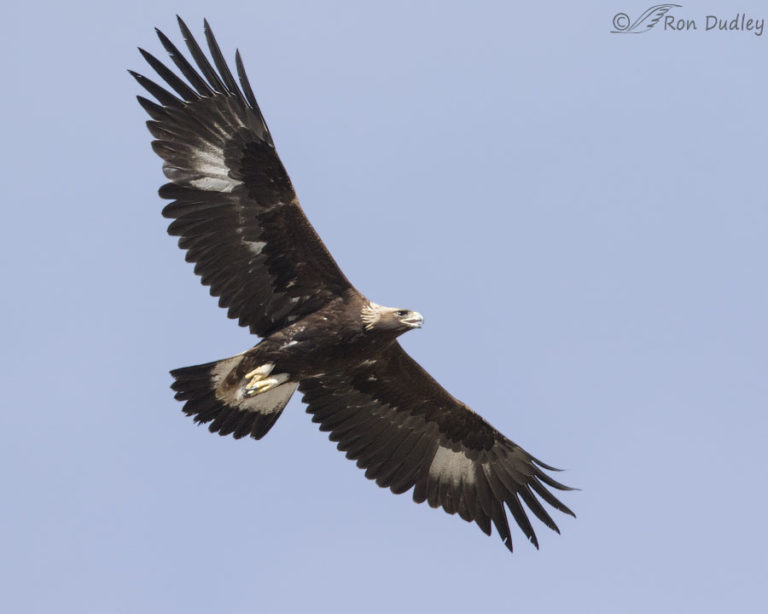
x,y
741,22
642,24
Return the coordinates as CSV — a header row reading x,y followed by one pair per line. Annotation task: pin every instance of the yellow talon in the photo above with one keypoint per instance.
x,y
260,372
258,381
254,388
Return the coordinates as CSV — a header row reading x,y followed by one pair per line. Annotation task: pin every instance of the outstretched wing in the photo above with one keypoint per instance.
x,y
234,208
407,431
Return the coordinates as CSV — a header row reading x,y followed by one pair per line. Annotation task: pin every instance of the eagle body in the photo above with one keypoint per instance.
x,y
239,220
324,340
319,343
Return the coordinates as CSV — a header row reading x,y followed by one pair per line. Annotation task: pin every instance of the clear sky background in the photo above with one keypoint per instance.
x,y
581,217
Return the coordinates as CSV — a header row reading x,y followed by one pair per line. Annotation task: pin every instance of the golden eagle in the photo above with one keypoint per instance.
x,y
238,218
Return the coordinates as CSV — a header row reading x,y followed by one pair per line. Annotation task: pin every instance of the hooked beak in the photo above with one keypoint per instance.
x,y
415,320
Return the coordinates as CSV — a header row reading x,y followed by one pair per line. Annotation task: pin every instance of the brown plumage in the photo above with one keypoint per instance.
x,y
238,218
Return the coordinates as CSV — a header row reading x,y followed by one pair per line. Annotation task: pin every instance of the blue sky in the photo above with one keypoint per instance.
x,y
580,216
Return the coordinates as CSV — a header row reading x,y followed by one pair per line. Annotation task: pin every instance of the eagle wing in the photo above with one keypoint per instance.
x,y
234,209
407,431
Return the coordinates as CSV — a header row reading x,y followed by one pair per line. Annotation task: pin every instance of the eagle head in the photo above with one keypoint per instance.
x,y
393,319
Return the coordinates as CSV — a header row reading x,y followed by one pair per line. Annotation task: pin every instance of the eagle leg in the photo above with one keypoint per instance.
x,y
258,381
260,373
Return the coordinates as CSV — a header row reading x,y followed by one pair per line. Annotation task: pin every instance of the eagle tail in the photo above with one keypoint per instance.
x,y
229,411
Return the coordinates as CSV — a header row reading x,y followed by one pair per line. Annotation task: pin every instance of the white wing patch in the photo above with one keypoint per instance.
x,y
208,170
455,467
255,247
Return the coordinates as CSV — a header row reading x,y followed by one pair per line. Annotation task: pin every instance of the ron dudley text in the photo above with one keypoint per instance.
x,y
740,23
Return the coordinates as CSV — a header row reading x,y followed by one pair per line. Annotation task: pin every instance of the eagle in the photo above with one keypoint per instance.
x,y
238,218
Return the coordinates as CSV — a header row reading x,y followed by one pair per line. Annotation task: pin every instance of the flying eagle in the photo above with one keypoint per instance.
x,y
238,218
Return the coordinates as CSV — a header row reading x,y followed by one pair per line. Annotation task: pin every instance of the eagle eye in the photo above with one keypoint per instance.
x,y
402,312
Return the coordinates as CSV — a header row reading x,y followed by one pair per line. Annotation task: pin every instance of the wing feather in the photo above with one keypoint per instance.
x,y
245,83
184,66
197,54
181,88
407,432
218,59
164,96
233,206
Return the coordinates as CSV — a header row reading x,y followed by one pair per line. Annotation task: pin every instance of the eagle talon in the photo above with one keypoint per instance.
x,y
257,380
261,385
260,372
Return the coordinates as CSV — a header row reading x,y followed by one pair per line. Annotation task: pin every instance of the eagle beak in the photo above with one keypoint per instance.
x,y
415,320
